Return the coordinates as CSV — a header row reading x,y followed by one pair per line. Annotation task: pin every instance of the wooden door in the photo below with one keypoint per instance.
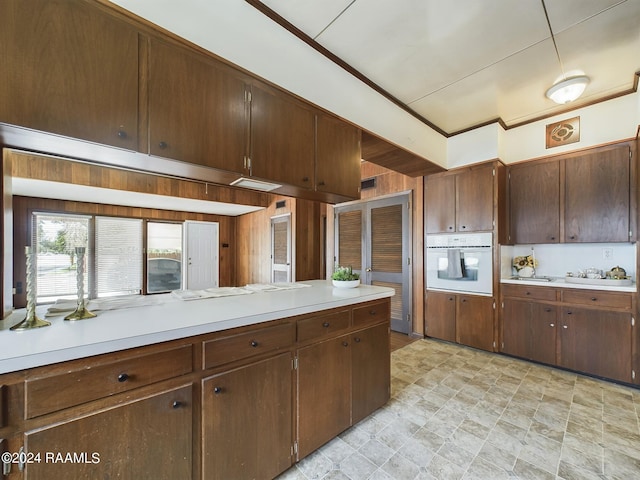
x,y
148,438
543,331
474,321
69,69
516,322
474,199
282,138
197,109
349,239
534,202
338,157
597,200
440,204
370,372
440,315
247,421
596,342
324,392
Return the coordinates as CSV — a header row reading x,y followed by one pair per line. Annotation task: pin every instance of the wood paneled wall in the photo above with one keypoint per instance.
x,y
24,206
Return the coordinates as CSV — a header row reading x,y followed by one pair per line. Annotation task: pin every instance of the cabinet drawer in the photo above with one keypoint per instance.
x,y
372,313
243,345
323,325
599,298
55,392
526,291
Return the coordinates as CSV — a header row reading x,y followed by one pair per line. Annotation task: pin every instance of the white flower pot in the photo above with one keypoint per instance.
x,y
526,272
346,284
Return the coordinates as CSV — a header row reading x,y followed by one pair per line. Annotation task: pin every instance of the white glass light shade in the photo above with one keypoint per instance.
x,y
568,90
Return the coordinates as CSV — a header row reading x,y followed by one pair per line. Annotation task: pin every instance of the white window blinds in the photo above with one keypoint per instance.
x,y
118,256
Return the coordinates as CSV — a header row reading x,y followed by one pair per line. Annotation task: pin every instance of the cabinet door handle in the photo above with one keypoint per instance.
x,y
527,293
163,145
547,309
326,324
564,326
552,238
123,377
450,228
451,299
572,237
217,390
357,339
122,134
305,179
176,404
345,344
321,183
569,313
463,227
552,324
254,343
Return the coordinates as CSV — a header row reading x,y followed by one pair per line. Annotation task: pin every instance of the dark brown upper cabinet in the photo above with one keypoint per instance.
x,y
282,138
534,198
460,202
597,197
338,157
197,109
69,68
587,198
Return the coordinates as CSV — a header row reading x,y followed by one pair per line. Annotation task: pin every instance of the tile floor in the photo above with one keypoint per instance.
x,y
460,413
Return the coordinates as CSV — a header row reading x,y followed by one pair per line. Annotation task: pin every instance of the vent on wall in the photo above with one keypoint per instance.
x,y
368,183
281,203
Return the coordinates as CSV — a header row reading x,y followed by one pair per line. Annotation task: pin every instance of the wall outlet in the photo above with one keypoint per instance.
x,y
607,253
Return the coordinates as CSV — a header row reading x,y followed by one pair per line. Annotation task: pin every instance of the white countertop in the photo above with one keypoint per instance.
x,y
114,330
560,282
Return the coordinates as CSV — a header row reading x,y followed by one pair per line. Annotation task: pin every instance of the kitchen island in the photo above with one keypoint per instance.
x,y
232,387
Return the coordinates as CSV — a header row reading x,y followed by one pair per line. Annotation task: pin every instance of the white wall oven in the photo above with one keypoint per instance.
x,y
460,262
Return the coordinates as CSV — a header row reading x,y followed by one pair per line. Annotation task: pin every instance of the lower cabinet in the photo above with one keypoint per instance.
x,y
247,421
596,342
461,318
147,438
340,382
529,330
582,330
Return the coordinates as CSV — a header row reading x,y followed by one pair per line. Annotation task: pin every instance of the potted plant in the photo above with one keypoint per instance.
x,y
343,277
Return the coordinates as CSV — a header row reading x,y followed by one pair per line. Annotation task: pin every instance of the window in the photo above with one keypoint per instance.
x,y
164,257
113,264
55,238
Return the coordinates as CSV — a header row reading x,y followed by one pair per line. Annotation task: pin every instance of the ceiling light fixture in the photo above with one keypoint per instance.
x,y
568,88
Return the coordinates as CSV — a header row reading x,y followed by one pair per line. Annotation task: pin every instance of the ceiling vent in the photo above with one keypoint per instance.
x,y
368,183
255,184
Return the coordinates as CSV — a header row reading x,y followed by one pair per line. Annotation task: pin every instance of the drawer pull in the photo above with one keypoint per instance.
x,y
163,145
217,390
254,343
594,299
325,324
123,377
527,293
176,404
547,309
372,312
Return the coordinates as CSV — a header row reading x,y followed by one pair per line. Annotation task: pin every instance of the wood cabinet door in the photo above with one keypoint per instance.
x,y
516,321
147,438
247,421
440,204
534,203
596,342
338,157
474,321
69,69
529,330
324,392
282,138
543,331
597,196
474,199
197,109
370,372
440,315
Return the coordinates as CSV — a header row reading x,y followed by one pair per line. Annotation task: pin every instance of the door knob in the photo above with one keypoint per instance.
x,y
369,269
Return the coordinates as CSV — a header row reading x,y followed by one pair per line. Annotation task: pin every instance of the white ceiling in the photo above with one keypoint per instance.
x,y
462,63
456,63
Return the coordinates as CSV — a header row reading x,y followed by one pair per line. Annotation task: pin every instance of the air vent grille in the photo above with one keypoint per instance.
x,y
368,183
